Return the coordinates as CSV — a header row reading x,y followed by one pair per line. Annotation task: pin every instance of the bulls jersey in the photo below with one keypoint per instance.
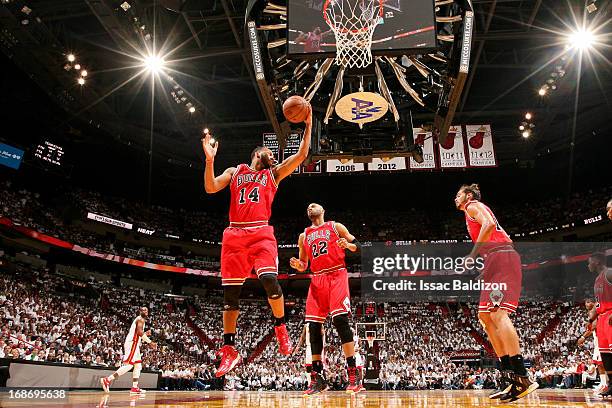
x,y
603,293
252,193
473,227
312,43
132,334
320,244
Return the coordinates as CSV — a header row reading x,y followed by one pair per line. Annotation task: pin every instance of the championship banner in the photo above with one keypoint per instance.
x,y
271,142
344,166
425,140
292,147
388,164
480,146
108,220
452,152
312,168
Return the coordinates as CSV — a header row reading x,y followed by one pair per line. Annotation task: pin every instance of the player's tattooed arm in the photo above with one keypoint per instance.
x,y
346,238
487,226
287,166
302,263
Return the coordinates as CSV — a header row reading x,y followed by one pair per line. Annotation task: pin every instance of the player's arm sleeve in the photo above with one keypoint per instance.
x,y
213,184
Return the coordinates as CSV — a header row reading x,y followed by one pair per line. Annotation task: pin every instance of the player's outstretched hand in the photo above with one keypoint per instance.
x,y
153,345
210,150
297,264
342,243
580,341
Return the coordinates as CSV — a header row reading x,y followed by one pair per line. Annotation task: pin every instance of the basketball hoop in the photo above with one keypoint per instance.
x,y
353,23
370,337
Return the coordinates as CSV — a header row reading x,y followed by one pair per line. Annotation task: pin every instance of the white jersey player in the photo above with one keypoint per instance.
x,y
132,357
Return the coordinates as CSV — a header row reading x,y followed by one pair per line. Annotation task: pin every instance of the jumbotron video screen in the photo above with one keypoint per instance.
x,y
403,25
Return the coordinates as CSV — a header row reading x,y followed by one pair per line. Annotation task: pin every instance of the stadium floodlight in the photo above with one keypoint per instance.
x,y
528,116
192,109
542,92
206,131
154,63
81,81
581,39
71,57
526,134
84,73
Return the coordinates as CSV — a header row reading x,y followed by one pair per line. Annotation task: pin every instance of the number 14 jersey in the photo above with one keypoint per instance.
x,y
252,194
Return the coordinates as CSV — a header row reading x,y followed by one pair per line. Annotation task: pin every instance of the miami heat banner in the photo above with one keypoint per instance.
x,y
423,139
452,151
108,220
388,164
344,166
481,152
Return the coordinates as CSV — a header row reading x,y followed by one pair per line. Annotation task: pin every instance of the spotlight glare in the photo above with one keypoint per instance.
x,y
542,92
521,127
154,63
206,131
526,134
528,116
77,66
81,81
581,39
212,141
84,73
192,109
71,57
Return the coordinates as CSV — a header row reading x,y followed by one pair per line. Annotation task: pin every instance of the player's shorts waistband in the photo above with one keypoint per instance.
x,y
501,248
329,270
249,224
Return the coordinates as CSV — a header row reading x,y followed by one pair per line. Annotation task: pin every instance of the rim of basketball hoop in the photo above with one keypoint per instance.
x,y
344,30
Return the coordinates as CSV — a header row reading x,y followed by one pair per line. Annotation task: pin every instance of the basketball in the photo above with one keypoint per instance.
x,y
296,109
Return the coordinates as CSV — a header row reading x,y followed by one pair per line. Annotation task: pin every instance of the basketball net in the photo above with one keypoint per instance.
x,y
370,340
353,23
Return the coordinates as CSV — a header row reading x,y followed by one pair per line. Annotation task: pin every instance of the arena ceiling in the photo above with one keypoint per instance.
x,y
516,50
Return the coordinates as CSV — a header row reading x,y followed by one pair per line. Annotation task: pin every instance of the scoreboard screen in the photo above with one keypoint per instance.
x,y
369,309
49,152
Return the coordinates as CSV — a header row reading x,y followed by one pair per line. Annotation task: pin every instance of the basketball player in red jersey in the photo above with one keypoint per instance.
x,y
602,312
312,39
502,265
248,243
323,245
609,209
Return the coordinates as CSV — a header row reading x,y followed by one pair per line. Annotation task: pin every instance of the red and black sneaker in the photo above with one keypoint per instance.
x,y
317,384
136,390
282,336
229,358
354,385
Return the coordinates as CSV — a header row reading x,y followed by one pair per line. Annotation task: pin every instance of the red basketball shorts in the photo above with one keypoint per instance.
x,y
501,267
328,295
604,332
246,249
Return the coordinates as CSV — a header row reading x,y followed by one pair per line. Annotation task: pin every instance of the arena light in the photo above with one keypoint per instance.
x,y
154,63
206,131
84,73
71,57
542,92
581,39
81,81
528,116
526,134
77,66
192,109
521,127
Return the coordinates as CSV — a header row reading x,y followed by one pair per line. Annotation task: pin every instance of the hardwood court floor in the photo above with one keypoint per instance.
x,y
370,399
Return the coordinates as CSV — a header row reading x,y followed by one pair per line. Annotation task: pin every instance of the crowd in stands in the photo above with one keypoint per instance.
x,y
42,214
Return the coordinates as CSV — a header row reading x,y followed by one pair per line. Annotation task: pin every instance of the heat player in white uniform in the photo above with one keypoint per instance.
x,y
131,356
358,358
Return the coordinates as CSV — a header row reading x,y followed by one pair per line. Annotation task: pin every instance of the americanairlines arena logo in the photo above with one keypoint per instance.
x,y
364,109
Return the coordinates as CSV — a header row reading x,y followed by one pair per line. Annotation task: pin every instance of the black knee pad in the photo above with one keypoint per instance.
x,y
271,286
231,297
316,338
606,359
343,327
